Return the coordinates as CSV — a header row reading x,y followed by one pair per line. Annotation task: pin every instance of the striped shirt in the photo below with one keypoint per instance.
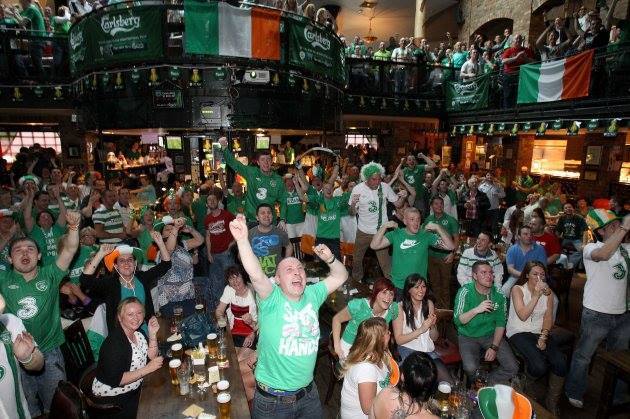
x,y
112,223
469,257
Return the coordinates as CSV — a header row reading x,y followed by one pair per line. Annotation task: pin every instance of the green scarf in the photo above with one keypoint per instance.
x,y
8,346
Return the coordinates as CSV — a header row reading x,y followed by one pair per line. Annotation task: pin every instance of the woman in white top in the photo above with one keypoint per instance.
x,y
529,322
368,369
414,329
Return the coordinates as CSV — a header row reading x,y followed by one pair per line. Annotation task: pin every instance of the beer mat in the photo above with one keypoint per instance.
x,y
193,411
174,337
213,374
206,416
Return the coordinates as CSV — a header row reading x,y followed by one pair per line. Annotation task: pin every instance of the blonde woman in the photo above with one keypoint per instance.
x,y
368,369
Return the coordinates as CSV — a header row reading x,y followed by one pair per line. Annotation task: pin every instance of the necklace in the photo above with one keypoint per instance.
x,y
129,284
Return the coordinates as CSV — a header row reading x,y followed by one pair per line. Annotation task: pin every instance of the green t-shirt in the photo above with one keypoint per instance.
x,y
482,324
415,177
261,188
409,253
360,310
382,55
329,213
5,265
145,241
76,268
36,302
200,209
236,205
47,242
449,224
33,14
525,182
289,337
291,208
312,208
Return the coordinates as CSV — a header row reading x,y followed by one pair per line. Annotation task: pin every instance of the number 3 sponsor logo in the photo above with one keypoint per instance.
x,y
28,308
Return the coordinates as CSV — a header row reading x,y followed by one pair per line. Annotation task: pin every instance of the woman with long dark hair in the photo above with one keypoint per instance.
x,y
379,304
414,329
408,399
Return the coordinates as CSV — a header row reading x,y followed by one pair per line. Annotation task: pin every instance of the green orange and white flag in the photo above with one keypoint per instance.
x,y
220,29
568,78
502,402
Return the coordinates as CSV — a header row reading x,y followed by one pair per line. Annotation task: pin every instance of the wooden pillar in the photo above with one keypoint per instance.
x,y
419,19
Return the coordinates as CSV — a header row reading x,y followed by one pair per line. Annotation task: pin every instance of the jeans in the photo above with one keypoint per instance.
x,y
594,328
216,276
361,245
576,257
442,371
36,50
307,407
39,386
510,84
539,362
400,78
473,349
507,286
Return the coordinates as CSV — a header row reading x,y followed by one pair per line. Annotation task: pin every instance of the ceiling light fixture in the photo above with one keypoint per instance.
x,y
369,38
368,4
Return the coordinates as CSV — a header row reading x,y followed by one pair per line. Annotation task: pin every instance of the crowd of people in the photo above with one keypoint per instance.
x,y
70,243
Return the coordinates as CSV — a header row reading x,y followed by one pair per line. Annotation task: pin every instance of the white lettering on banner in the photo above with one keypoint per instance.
x,y
316,39
300,332
76,39
113,25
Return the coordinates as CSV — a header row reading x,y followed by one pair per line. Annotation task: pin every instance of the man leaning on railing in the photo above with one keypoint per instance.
x,y
31,17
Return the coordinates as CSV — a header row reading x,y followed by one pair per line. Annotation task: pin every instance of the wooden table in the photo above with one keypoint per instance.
x,y
617,365
160,399
541,412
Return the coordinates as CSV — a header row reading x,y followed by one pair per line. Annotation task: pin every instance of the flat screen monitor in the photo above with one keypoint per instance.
x,y
262,142
173,142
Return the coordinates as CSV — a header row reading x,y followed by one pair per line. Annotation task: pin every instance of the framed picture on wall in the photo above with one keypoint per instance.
x,y
73,151
593,155
590,175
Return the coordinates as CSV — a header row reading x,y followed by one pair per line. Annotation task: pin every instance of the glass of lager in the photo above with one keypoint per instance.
x,y
223,399
177,350
443,393
211,345
173,365
222,359
223,385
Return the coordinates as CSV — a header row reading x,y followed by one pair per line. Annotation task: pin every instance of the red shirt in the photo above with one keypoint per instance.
x,y
550,242
217,227
512,52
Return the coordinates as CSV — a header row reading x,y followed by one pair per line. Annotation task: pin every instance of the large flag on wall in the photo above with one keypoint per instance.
x,y
568,78
220,29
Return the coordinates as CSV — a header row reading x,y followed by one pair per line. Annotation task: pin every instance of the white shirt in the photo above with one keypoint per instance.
x,y
125,213
534,323
494,193
606,285
229,297
508,214
79,9
469,257
367,207
399,54
8,405
422,343
469,67
363,372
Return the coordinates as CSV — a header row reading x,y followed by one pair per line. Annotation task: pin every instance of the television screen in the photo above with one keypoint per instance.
x,y
173,142
262,142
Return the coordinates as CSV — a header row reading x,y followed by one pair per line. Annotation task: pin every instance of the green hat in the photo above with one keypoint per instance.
x,y
371,169
599,218
166,220
27,178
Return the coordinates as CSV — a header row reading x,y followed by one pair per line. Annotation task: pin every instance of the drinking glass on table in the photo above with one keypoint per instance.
x,y
212,345
178,317
224,402
173,366
183,375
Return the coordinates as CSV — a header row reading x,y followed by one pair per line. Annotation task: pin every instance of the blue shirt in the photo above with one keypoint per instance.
x,y
518,259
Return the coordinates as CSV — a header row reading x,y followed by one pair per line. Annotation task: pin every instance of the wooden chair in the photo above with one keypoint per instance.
x,y
446,346
68,402
77,352
94,403
560,282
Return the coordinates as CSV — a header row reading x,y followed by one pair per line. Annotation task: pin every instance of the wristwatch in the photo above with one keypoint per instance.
x,y
494,347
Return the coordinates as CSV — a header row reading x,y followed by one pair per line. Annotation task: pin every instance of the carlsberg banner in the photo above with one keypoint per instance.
x,y
116,36
468,96
315,49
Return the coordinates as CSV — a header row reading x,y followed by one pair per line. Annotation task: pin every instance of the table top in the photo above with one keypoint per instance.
x,y
160,399
541,412
337,301
620,359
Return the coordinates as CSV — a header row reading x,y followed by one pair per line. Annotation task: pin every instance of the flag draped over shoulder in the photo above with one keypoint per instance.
x,y
220,29
567,78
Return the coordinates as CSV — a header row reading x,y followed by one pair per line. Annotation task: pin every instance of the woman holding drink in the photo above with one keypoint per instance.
x,y
122,362
529,322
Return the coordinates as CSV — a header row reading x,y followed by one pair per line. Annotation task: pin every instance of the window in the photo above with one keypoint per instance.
x,y
12,141
360,139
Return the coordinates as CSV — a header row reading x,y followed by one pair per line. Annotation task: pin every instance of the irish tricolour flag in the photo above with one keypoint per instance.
x,y
220,29
567,78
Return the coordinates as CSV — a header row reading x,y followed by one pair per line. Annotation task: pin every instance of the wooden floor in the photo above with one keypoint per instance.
x,y
537,390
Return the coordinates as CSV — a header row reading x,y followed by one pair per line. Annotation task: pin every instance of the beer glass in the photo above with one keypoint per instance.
x,y
443,393
223,399
211,345
183,375
173,365
199,365
199,309
178,317
223,385
222,360
177,350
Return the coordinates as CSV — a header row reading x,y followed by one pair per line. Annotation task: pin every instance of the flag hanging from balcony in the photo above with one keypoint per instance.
x,y
220,29
568,78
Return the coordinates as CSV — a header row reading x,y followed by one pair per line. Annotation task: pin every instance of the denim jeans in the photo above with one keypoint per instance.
x,y
507,286
216,276
594,328
539,362
442,371
473,349
39,386
36,51
307,407
576,257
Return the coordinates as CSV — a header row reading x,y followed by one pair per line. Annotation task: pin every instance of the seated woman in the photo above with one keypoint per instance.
x,y
176,287
127,281
369,368
408,399
378,305
122,362
239,301
414,329
529,321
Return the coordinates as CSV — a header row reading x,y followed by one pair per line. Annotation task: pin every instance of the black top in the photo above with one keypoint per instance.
x,y
114,357
109,288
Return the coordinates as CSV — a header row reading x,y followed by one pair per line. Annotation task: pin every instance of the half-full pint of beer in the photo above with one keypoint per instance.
x,y
173,365
177,350
211,345
223,400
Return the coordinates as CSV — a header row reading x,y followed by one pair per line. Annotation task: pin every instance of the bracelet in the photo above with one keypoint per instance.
x,y
28,361
331,261
544,332
74,227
